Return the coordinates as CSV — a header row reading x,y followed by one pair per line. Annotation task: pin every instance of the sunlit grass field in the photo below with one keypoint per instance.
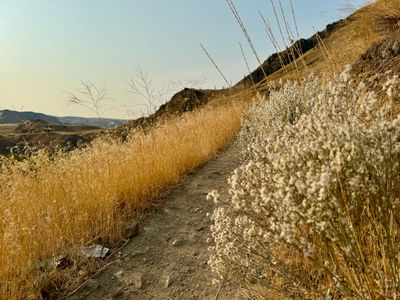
x,y
52,205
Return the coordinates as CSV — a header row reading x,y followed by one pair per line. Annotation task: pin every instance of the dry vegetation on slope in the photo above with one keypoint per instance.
x,y
51,206
344,45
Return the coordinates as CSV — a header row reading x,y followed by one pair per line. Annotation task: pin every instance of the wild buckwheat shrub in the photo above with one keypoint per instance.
x,y
284,106
314,209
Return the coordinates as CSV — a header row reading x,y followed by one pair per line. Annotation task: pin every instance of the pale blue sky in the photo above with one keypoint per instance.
x,y
49,46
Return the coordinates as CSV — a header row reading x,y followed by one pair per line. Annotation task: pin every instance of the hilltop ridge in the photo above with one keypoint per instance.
x,y
14,117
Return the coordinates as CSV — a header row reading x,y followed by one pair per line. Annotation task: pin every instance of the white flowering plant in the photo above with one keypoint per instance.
x,y
314,208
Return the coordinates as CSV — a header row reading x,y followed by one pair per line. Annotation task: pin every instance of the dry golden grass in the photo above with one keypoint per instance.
x,y
368,25
52,206
383,16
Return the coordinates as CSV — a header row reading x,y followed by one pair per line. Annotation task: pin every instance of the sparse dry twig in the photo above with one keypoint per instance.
x,y
89,96
247,64
141,84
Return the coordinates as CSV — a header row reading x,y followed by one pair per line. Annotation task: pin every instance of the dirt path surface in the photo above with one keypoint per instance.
x,y
168,259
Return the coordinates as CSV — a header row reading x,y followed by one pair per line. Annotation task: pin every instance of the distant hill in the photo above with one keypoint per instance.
x,y
14,117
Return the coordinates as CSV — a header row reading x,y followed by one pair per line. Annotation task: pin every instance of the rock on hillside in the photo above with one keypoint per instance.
x,y
184,101
277,60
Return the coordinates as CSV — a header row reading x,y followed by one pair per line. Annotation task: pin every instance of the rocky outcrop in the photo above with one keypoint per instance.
x,y
278,60
184,101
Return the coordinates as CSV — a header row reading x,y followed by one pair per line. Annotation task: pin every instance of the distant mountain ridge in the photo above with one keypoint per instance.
x,y
13,117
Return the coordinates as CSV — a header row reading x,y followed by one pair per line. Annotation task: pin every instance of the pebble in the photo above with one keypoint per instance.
x,y
92,284
200,228
171,278
119,273
396,48
135,280
131,230
178,242
118,293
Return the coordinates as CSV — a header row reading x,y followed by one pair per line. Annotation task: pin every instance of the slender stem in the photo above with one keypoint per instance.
x,y
215,65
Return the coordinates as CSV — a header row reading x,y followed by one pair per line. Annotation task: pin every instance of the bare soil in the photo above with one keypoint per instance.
x,y
168,259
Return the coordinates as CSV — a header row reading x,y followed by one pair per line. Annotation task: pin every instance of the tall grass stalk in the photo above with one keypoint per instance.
x,y
215,65
272,38
246,34
294,19
247,65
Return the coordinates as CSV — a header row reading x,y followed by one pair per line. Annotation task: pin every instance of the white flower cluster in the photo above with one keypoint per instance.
x,y
284,106
321,176
391,87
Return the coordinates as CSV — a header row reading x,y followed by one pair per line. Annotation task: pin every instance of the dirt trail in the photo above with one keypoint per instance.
x,y
168,259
